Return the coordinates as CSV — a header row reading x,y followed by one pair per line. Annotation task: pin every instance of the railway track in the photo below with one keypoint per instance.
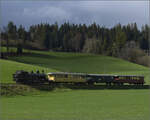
x,y
71,86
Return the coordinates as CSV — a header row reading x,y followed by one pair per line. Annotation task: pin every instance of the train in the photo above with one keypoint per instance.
x,y
26,77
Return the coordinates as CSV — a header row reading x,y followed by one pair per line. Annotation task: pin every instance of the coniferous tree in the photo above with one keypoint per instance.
x,y
75,37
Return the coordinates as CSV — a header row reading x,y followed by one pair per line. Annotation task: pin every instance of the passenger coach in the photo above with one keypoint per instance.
x,y
61,77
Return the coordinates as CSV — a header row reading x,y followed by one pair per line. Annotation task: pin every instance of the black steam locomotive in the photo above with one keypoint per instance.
x,y
25,77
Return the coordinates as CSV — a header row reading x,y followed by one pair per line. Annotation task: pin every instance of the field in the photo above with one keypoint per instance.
x,y
79,105
67,104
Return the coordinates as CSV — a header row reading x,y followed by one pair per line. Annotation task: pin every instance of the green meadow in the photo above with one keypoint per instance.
x,y
68,104
78,105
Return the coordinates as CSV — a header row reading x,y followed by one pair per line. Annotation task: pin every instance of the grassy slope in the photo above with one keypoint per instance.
x,y
9,67
79,105
72,62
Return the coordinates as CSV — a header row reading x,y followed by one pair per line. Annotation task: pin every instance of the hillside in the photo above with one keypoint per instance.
x,y
9,67
78,62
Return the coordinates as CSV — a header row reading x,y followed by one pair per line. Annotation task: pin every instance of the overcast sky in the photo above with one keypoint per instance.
x,y
106,13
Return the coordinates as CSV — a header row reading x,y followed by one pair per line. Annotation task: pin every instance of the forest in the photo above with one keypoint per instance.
x,y
124,41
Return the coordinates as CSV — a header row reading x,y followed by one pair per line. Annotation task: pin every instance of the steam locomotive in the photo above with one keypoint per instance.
x,y
25,77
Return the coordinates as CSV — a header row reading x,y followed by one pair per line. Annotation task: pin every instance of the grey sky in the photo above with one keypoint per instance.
x,y
106,13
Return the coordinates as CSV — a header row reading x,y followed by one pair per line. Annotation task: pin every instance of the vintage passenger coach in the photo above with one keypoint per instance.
x,y
61,77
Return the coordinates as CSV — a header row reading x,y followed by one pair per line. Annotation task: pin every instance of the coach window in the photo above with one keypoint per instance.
x,y
131,78
59,76
69,76
66,76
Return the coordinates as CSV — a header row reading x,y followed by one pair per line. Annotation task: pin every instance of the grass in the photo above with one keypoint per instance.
x,y
85,63
17,89
79,105
67,104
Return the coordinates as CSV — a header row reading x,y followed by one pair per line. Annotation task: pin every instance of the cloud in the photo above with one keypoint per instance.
x,y
110,13
106,13
47,12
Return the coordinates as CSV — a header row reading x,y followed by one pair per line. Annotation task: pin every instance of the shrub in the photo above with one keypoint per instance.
x,y
92,46
144,60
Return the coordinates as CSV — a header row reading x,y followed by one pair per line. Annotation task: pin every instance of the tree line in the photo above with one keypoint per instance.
x,y
76,37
